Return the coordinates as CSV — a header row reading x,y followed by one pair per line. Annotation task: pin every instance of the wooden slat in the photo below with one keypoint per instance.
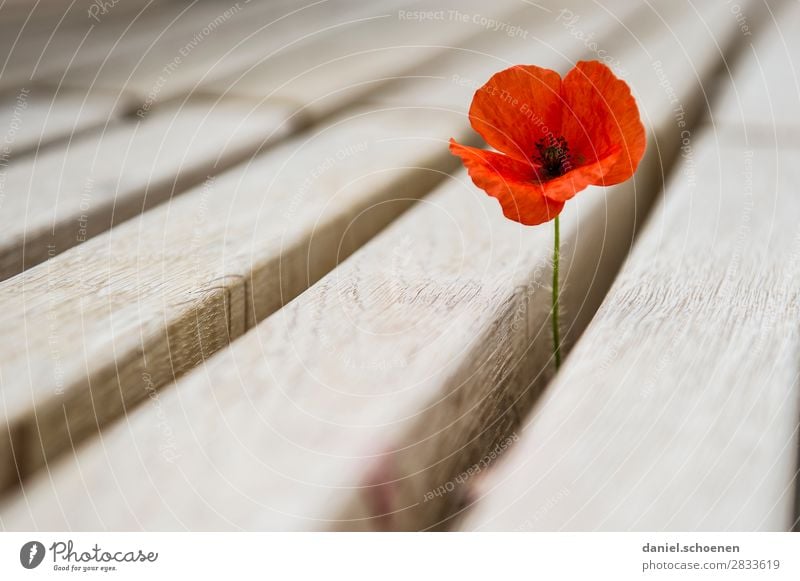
x,y
67,210
41,49
46,15
379,384
264,275
158,293
212,44
32,119
349,62
678,409
64,196
211,316
764,92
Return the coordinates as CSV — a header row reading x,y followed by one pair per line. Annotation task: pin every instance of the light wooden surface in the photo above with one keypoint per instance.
x,y
53,204
310,249
210,43
385,393
66,195
42,49
161,291
678,408
348,62
763,92
32,119
707,438
406,366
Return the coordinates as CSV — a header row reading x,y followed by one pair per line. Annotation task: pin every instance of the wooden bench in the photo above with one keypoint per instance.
x,y
291,310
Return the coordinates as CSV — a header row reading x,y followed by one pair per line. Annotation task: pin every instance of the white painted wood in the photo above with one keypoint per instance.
x,y
401,369
101,324
68,194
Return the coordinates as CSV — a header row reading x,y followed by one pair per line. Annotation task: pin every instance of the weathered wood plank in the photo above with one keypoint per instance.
x,y
403,367
679,407
66,195
100,324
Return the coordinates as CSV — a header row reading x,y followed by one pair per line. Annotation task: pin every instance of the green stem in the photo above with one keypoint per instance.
x,y
554,316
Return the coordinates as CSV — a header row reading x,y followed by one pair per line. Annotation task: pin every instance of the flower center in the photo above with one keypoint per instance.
x,y
553,156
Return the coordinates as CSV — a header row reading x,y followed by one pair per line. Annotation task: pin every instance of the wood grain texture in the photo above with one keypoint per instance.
x,y
350,404
678,408
66,195
105,324
403,369
306,254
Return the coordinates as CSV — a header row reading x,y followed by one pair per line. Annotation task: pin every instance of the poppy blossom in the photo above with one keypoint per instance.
x,y
553,136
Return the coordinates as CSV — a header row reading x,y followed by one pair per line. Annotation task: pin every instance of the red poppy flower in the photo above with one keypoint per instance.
x,y
555,137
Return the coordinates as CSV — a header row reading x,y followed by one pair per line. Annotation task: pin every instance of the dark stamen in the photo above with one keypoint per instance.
x,y
553,156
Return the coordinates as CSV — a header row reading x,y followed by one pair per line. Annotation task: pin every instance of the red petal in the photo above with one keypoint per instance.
x,y
514,183
516,108
601,124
